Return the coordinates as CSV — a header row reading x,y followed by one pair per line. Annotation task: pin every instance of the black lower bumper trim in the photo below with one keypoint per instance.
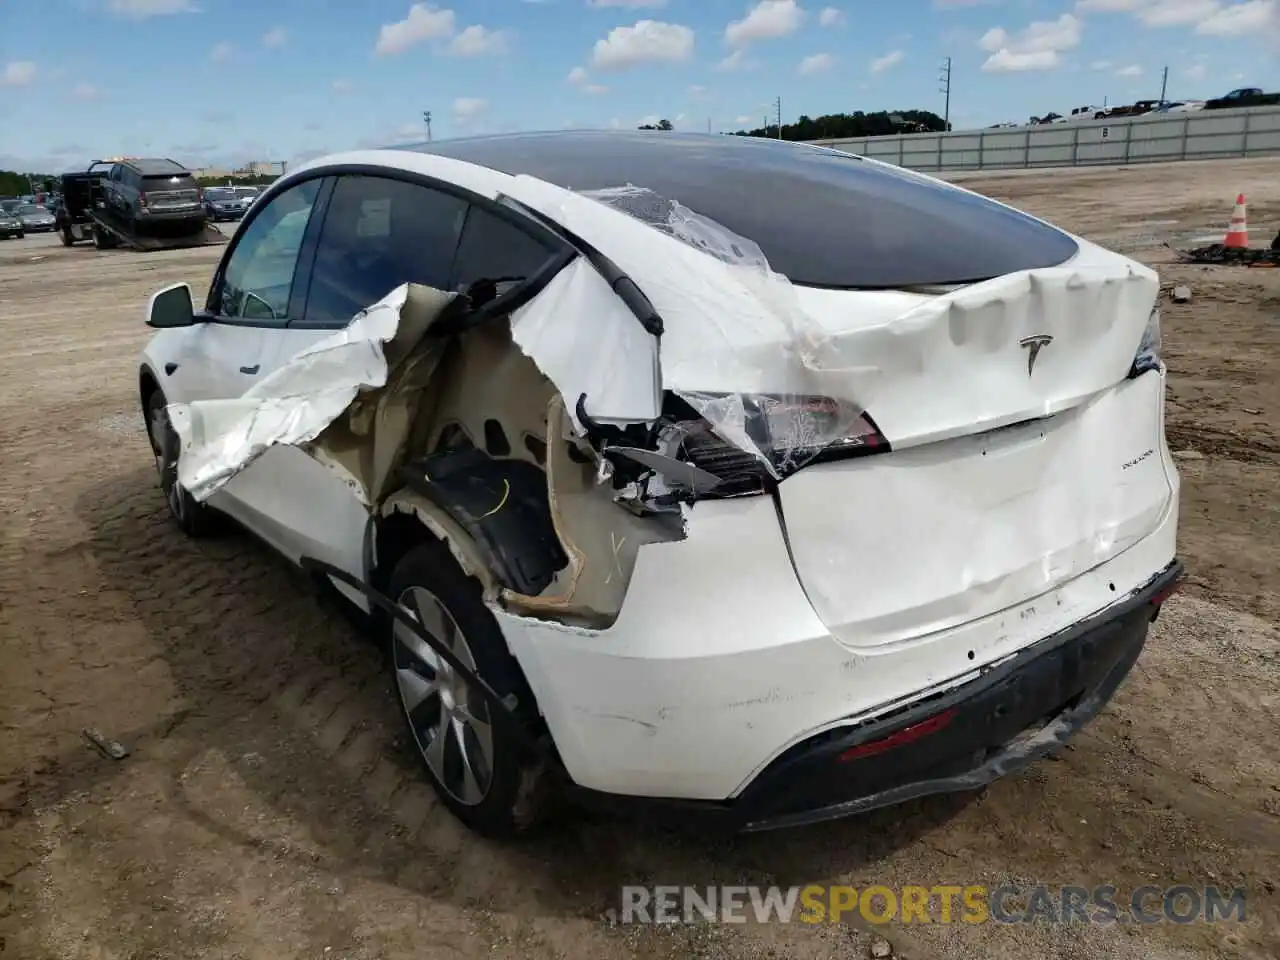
x,y
962,739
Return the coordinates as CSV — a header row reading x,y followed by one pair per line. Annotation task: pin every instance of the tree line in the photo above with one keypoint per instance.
x,y
15,184
840,126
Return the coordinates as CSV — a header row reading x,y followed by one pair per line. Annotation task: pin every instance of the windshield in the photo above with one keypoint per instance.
x,y
9,205
219,193
246,191
29,208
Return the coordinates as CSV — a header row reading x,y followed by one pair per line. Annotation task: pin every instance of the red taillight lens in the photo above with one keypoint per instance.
x,y
142,199
900,738
200,194
753,441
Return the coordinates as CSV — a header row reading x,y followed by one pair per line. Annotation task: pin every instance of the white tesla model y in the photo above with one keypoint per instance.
x,y
749,478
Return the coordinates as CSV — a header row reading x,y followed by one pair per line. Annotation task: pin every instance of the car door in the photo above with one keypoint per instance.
x,y
377,233
246,316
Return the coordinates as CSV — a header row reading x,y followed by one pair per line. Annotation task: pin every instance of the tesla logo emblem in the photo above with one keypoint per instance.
x,y
1034,346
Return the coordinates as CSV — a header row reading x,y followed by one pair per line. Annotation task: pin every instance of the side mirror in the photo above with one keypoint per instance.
x,y
171,307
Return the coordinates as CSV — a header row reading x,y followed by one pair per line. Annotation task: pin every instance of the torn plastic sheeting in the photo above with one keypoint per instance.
x,y
585,340
291,405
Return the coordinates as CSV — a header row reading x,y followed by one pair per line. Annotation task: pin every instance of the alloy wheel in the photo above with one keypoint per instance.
x,y
449,719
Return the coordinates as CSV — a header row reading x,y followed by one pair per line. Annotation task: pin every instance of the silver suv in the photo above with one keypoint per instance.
x,y
144,192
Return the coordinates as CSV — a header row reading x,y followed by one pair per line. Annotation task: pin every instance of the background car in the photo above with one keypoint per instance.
x,y
10,226
35,218
222,203
152,193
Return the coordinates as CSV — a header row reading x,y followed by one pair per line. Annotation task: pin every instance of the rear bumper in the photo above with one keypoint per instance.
x,y
1009,716
178,213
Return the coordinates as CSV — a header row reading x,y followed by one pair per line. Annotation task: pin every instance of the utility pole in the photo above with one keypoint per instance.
x,y
944,78
777,104
1164,84
426,117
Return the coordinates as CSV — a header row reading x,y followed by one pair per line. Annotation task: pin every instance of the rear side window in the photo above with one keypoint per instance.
x,y
379,233
494,256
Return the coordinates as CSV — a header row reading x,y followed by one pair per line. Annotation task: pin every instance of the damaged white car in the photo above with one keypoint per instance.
x,y
744,478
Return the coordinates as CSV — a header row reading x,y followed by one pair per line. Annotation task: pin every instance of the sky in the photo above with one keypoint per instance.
x,y
227,81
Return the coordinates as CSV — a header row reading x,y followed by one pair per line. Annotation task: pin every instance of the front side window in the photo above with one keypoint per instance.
x,y
259,276
378,234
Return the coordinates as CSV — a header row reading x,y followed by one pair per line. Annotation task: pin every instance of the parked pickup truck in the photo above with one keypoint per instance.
x,y
1243,97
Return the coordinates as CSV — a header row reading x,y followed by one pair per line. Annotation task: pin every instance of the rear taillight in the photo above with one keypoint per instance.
x,y
200,194
900,738
758,440
142,199
1148,355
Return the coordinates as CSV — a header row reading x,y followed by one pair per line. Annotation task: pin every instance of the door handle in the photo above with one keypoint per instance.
x,y
251,370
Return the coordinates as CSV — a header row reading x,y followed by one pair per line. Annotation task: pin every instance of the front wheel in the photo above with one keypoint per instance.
x,y
193,518
478,767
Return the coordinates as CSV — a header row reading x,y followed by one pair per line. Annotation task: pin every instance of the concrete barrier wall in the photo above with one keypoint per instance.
x,y
1200,135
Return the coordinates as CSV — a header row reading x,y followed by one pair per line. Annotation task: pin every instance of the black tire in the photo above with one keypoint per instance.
x,y
192,517
518,790
22,234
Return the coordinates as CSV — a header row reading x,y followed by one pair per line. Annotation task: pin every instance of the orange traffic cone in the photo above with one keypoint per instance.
x,y
1238,231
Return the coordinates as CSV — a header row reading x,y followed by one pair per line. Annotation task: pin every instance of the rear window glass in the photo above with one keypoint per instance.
x,y
822,218
175,179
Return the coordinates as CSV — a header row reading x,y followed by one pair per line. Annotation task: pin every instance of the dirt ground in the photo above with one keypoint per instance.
x,y
268,808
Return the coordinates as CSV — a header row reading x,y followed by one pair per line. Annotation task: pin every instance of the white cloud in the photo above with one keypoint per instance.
x,y
221,52
18,73
816,63
468,108
476,41
1100,65
342,86
1133,70
596,88
890,59
767,20
578,76
649,41
1241,19
275,37
1038,47
85,91
1176,13
141,9
1005,61
1110,6
1197,71
831,17
424,22
734,61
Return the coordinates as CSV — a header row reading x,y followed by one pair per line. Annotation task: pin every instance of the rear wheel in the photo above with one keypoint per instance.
x,y
478,768
193,518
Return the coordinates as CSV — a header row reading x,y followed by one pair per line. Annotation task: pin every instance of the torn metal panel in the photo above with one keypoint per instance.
x,y
296,403
583,337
